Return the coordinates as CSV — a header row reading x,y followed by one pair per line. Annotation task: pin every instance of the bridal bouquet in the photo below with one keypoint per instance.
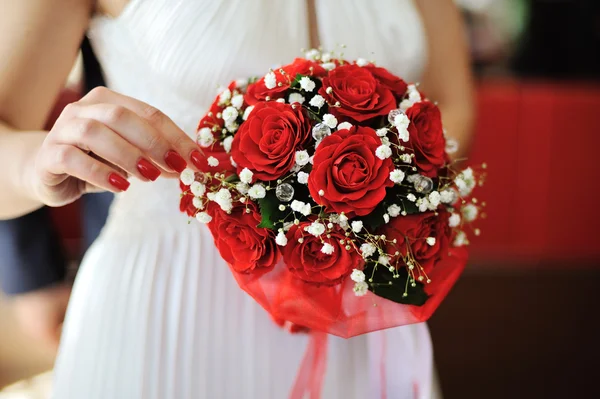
x,y
329,191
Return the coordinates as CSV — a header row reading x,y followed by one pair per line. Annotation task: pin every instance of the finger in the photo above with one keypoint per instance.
x,y
127,124
180,142
91,135
74,162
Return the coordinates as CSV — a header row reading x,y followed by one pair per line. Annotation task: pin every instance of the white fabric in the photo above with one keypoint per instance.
x,y
155,312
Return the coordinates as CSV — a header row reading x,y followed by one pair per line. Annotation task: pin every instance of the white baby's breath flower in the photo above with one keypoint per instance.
x,y
454,220
247,112
302,177
448,196
233,163
401,121
302,157
307,84
423,204
358,276
246,176
327,249
198,189
224,97
212,161
203,217
381,132
231,126
386,218
344,125
257,191
413,94
394,210
326,57
187,176
317,101
411,197
383,151
205,137
241,83
403,135
435,198
198,203
315,228
270,80
386,141
330,120
281,239
227,141
406,158
405,104
296,205
451,146
361,62
430,241
223,198
469,212
357,226
460,239
296,98
237,101
328,66
306,209
384,260
397,176
361,289
242,188
280,100
312,54
367,249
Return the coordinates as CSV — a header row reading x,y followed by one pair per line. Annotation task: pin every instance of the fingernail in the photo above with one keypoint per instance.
x,y
175,161
147,169
118,181
197,159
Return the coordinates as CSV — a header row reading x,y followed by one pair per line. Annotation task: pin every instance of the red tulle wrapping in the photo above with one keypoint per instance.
x,y
336,310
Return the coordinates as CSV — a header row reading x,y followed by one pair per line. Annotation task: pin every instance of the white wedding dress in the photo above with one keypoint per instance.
x,y
155,312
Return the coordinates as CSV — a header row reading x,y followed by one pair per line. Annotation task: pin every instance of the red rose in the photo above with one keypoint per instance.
x,y
360,94
389,81
186,204
412,232
352,178
240,242
306,261
267,141
427,137
258,91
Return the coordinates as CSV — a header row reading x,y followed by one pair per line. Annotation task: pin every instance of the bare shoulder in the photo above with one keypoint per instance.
x,y
39,41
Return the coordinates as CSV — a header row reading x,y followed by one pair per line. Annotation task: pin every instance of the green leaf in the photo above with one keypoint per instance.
x,y
269,211
375,218
386,286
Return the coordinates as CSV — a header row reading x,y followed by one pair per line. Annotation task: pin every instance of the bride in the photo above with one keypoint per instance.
x,y
155,312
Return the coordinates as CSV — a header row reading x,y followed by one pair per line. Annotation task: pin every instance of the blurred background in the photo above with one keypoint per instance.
x,y
520,323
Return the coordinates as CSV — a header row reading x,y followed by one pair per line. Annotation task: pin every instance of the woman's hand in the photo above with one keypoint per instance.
x,y
100,139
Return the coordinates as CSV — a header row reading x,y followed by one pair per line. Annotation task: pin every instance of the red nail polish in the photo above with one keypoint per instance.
x,y
118,181
198,159
175,161
147,169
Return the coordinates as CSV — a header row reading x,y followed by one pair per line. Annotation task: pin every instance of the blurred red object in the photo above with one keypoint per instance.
x,y
541,144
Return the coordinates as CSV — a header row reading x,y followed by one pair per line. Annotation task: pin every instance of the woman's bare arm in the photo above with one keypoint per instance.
x,y
39,40
448,78
96,142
